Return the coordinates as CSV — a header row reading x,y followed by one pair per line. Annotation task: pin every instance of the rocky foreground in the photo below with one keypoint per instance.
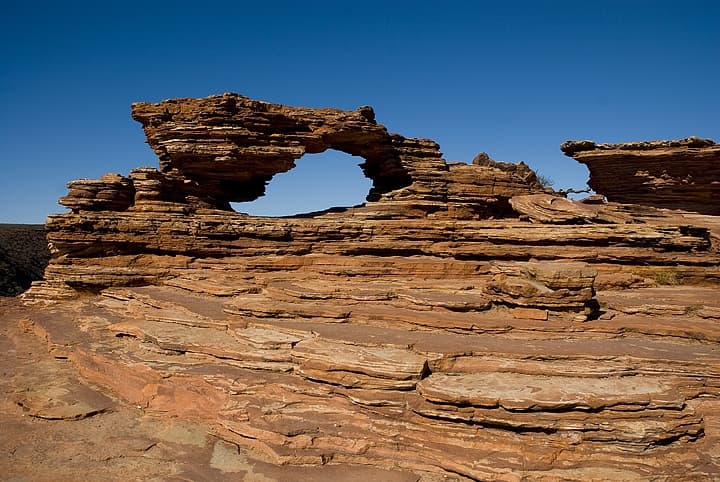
x,y
465,323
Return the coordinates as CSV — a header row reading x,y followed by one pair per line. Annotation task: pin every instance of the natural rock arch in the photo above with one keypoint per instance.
x,y
232,146
226,148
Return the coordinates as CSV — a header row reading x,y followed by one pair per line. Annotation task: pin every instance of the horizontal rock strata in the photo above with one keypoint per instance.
x,y
498,398
682,174
226,148
464,322
124,248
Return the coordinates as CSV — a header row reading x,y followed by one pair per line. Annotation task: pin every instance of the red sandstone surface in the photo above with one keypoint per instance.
x,y
466,323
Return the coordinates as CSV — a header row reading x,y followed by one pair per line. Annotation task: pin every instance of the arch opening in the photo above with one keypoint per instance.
x,y
318,182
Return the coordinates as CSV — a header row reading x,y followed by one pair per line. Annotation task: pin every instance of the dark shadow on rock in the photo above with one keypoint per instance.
x,y
24,254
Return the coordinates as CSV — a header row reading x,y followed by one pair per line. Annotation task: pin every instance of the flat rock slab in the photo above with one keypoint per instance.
x,y
664,300
360,366
515,391
63,399
269,351
547,208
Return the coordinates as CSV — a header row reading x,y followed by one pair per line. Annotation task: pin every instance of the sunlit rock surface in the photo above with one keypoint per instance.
x,y
465,322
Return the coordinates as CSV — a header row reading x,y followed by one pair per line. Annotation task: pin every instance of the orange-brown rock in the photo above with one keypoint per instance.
x,y
681,174
548,208
57,427
474,395
463,323
231,146
566,287
112,192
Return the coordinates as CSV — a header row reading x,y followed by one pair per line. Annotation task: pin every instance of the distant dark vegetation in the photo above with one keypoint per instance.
x,y
23,256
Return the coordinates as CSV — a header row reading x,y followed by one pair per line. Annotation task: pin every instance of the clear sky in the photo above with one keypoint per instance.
x,y
512,78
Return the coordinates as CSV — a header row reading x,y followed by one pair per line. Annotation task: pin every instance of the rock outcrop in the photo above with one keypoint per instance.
x,y
681,174
227,148
464,322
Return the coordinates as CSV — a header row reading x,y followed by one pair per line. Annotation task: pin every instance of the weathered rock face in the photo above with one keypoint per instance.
x,y
459,323
682,174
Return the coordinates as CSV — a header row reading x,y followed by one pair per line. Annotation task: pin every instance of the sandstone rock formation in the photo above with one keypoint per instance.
x,y
681,174
464,322
57,427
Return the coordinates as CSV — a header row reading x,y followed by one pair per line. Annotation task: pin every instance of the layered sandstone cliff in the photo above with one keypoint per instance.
x,y
465,321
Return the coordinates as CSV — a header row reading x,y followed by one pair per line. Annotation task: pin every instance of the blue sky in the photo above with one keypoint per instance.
x,y
514,79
